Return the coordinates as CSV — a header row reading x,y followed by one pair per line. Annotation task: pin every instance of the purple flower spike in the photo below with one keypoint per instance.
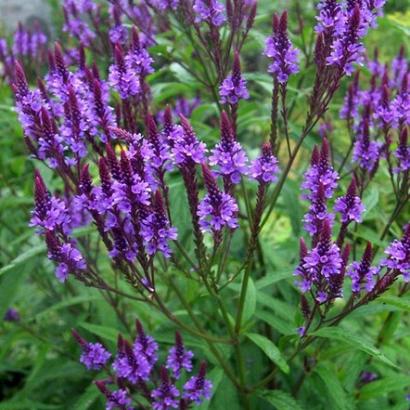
x,y
279,48
366,152
94,356
145,345
398,255
197,388
116,400
66,255
210,11
320,171
323,262
229,155
363,272
218,209
156,230
265,169
233,88
187,150
138,59
350,206
179,358
350,108
166,395
130,366
347,49
123,79
403,152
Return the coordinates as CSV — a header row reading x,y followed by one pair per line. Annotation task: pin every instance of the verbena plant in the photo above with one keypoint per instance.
x,y
153,215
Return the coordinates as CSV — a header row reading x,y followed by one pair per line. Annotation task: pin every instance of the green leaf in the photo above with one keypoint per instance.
x,y
277,323
336,393
402,303
23,258
383,386
353,340
271,279
250,302
270,349
87,399
280,399
102,331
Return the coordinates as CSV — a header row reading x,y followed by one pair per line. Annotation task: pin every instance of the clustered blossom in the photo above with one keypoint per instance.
x,y
210,11
362,271
350,206
403,153
11,315
228,155
217,209
179,358
135,364
279,48
320,266
233,88
366,152
320,181
398,255
94,356
265,168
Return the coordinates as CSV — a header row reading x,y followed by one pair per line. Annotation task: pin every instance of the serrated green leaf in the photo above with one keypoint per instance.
x,y
270,349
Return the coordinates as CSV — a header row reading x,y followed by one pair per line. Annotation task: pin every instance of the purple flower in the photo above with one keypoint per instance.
x,y
400,68
367,377
217,209
366,152
317,213
350,206
166,395
156,230
265,168
347,49
233,88
75,26
331,18
11,315
403,152
179,358
197,388
350,108
187,150
138,59
279,48
166,4
320,172
145,345
50,213
210,11
321,265
68,258
118,33
398,255
119,399
130,366
94,356
363,272
122,78
229,155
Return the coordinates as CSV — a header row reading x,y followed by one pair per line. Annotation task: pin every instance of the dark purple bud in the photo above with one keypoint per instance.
x,y
303,250
113,162
304,306
283,24
251,16
82,342
325,151
85,180
315,159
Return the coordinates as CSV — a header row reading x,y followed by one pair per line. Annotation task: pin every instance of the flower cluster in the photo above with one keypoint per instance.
x,y
279,48
233,88
134,366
